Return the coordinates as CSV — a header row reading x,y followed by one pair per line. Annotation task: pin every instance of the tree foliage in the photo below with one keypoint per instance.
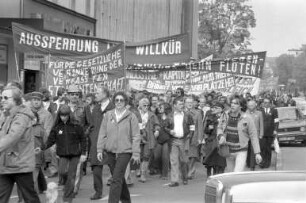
x,y
224,27
292,68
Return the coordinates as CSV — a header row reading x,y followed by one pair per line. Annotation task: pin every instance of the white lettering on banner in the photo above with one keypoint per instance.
x,y
59,43
170,47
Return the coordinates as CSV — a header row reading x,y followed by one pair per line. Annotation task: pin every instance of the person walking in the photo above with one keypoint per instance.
x,y
161,151
149,132
235,129
118,143
258,121
182,129
71,149
270,127
17,154
215,164
197,137
104,104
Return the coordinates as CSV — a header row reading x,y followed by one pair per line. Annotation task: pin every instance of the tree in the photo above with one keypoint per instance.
x,y
284,64
224,27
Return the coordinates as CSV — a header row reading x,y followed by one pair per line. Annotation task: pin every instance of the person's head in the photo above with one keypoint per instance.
x,y
266,102
164,108
202,102
179,92
73,93
217,107
46,94
154,100
210,97
60,92
121,100
36,100
11,97
169,93
178,104
144,104
251,105
14,84
64,113
102,94
90,98
236,104
223,100
189,103
27,100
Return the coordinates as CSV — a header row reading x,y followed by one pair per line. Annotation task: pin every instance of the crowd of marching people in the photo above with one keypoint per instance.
x,y
134,134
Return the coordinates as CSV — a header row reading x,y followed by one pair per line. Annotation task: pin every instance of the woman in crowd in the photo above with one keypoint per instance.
x,y
149,132
118,142
213,161
235,129
161,152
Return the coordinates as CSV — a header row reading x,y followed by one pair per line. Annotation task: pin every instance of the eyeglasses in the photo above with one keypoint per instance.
x,y
119,100
145,105
74,94
5,97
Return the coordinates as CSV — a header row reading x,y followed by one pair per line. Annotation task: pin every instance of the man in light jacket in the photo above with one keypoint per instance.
x,y
17,153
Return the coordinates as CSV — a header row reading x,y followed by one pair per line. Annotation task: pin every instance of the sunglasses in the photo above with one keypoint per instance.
x,y
5,97
119,100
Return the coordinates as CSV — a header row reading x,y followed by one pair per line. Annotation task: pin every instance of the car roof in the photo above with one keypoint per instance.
x,y
230,179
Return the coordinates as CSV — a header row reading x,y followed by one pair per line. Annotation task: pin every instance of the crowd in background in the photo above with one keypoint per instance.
x,y
138,133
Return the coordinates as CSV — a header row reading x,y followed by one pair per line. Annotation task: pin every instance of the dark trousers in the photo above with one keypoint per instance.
x,y
25,184
41,180
97,179
68,167
266,151
162,158
118,188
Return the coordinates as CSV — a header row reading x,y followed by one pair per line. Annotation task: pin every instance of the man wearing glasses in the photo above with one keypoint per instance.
x,y
17,156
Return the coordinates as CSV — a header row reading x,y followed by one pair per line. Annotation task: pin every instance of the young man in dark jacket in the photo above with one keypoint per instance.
x,y
70,143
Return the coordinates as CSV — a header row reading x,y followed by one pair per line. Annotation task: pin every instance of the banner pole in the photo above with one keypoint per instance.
x,y
17,67
124,68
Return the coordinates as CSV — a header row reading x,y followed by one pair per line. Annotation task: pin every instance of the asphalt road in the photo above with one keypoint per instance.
x,y
155,190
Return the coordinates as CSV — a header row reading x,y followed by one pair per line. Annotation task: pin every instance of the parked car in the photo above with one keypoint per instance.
x,y
257,187
292,125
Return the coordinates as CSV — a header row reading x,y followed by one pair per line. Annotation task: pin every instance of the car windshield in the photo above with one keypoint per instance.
x,y
285,114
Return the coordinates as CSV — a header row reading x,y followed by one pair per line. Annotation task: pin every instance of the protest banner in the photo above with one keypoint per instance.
x,y
166,50
88,72
247,64
27,39
158,52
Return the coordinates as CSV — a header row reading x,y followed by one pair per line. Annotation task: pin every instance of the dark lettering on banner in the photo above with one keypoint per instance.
x,y
247,64
106,68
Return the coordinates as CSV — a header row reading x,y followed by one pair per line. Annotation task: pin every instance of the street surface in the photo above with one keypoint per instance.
x,y
155,191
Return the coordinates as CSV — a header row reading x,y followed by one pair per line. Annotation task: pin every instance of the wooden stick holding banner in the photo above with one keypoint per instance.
x,y
17,68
